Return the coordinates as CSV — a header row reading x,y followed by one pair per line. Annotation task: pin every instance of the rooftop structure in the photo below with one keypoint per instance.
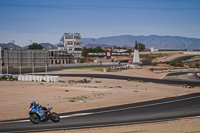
x,y
72,43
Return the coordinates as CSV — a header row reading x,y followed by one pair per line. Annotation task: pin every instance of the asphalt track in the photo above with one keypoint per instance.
x,y
131,78
183,58
183,76
42,69
163,81
151,111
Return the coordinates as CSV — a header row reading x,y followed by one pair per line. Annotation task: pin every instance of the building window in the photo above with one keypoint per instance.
x,y
77,43
70,43
77,37
77,49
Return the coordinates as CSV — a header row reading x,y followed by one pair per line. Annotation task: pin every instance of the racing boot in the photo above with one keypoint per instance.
x,y
41,116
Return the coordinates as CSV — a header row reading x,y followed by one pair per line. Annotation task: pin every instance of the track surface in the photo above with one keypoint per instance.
x,y
183,76
183,58
42,69
150,111
108,76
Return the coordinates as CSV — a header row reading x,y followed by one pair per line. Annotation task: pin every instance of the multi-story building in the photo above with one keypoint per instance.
x,y
72,43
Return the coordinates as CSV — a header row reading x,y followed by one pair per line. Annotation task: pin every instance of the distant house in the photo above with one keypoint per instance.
x,y
119,50
107,48
61,47
153,49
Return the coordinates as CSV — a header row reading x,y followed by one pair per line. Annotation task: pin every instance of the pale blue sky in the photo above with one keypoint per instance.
x,y
47,20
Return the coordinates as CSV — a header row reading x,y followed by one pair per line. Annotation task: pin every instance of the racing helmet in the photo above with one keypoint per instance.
x,y
33,103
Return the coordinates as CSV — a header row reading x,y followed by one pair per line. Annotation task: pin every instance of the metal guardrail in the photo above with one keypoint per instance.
x,y
91,64
176,70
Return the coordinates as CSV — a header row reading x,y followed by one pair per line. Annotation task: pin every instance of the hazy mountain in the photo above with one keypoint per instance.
x,y
58,44
98,45
9,46
128,41
48,46
163,42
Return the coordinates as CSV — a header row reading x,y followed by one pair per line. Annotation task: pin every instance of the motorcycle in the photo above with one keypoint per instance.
x,y
36,115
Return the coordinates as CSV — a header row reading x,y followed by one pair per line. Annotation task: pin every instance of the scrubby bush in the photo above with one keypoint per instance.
x,y
196,65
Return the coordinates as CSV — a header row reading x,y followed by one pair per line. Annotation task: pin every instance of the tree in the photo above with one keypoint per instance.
x,y
84,51
98,49
129,50
139,46
35,46
196,65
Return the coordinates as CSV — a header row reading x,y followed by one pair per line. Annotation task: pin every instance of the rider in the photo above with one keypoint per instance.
x,y
40,109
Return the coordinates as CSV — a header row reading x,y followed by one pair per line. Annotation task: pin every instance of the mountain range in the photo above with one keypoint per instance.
x,y
159,42
10,46
128,41
14,46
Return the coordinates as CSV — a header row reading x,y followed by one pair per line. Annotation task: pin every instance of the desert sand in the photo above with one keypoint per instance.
x,y
15,95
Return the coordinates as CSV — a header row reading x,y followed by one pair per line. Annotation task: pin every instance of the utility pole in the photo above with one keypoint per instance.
x,y
184,46
20,63
160,44
45,62
13,42
30,41
7,62
93,42
0,63
32,63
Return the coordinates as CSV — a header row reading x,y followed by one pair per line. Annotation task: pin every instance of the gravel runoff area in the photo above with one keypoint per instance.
x,y
97,93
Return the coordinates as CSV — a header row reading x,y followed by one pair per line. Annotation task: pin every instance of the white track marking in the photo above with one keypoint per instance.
x,y
24,120
81,114
146,105
93,126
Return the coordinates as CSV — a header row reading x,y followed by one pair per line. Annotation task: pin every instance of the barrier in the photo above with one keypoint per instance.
x,y
51,78
19,78
26,78
47,78
30,78
56,78
41,78
176,70
38,78
23,78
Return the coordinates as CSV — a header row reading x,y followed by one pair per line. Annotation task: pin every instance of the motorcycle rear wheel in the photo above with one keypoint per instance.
x,y
34,118
54,117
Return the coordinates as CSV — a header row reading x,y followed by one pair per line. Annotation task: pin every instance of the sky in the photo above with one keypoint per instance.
x,y
47,20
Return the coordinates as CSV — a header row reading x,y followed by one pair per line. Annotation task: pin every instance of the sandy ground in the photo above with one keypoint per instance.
x,y
15,97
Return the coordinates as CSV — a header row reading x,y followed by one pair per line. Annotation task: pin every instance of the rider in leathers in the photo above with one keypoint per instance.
x,y
41,109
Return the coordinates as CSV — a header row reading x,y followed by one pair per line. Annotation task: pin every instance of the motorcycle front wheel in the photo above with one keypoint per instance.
x,y
34,118
54,117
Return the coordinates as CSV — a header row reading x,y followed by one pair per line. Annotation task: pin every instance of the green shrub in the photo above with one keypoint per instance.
x,y
196,65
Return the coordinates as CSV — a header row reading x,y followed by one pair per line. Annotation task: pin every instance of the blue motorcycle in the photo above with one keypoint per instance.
x,y
42,114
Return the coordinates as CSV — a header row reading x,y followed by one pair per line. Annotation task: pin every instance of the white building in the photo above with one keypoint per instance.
x,y
72,43
153,49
